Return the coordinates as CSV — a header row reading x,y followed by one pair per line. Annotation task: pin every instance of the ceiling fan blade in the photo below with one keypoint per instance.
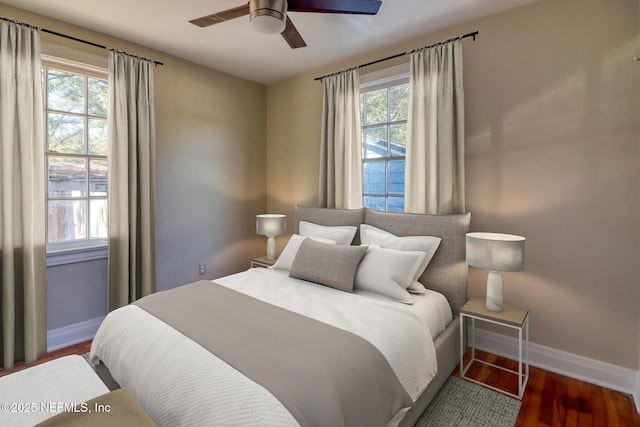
x,y
292,36
360,7
225,15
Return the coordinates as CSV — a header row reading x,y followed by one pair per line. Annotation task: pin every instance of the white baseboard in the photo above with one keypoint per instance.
x,y
636,393
571,365
72,334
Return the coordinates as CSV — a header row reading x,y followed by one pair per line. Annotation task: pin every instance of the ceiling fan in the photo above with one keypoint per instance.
x,y
270,16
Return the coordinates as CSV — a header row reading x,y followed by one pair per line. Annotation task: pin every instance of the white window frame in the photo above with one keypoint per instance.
x,y
59,253
383,79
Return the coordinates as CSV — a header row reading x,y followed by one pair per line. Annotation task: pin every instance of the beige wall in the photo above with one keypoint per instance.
x,y
552,154
552,120
211,168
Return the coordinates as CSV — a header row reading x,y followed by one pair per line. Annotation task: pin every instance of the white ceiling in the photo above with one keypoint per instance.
x,y
234,47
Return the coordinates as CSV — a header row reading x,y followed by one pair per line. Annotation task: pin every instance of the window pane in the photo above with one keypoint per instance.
x,y
395,204
384,143
375,142
373,177
98,214
76,109
395,177
67,177
98,97
67,220
66,133
398,145
97,177
375,203
375,107
98,137
65,91
399,100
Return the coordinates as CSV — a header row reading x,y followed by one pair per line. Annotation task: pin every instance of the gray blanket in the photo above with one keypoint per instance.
x,y
323,375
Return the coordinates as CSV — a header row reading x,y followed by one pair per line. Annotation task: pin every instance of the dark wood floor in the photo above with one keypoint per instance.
x,y
555,400
549,399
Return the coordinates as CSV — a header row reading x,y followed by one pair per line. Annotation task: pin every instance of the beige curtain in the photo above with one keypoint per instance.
x,y
132,270
22,209
341,143
434,173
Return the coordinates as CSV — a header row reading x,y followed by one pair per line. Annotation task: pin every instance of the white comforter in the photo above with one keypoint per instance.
x,y
179,383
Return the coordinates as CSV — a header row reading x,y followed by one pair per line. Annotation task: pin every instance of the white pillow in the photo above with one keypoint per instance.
x,y
388,272
341,234
370,235
285,260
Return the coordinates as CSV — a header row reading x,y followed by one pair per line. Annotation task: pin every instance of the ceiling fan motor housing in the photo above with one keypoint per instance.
x,y
268,16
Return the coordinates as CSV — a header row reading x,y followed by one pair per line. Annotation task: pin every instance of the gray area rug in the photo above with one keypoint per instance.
x,y
463,404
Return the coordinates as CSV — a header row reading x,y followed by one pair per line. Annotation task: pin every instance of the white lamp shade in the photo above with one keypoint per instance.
x,y
495,251
271,225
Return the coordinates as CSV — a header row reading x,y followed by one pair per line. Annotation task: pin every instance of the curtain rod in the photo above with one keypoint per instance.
x,y
55,33
473,34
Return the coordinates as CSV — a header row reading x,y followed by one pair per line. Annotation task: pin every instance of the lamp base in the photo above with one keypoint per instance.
x,y
271,248
494,291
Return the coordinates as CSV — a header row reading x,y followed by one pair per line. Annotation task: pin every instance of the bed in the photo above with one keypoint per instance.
x,y
412,346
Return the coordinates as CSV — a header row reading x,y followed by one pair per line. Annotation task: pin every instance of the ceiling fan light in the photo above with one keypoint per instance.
x,y
268,16
268,24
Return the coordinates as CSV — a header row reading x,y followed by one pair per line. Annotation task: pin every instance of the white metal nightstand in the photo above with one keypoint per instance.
x,y
510,317
262,262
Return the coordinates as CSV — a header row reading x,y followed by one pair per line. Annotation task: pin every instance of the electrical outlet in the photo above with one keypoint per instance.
x,y
201,268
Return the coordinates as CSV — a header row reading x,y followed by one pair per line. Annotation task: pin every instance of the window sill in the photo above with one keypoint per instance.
x,y
70,256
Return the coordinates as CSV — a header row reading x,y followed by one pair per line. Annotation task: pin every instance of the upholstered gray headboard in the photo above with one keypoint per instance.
x,y
447,272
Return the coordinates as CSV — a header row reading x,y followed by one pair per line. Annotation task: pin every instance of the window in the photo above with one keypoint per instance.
x,y
75,108
384,110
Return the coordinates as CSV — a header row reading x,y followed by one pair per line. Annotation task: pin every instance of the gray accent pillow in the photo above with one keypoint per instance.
x,y
330,265
288,254
330,217
447,271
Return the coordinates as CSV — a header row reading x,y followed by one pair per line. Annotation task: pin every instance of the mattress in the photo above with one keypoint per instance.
x,y
148,357
432,308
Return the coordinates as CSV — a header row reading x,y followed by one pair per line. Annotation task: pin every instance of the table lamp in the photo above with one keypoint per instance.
x,y
495,252
271,225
